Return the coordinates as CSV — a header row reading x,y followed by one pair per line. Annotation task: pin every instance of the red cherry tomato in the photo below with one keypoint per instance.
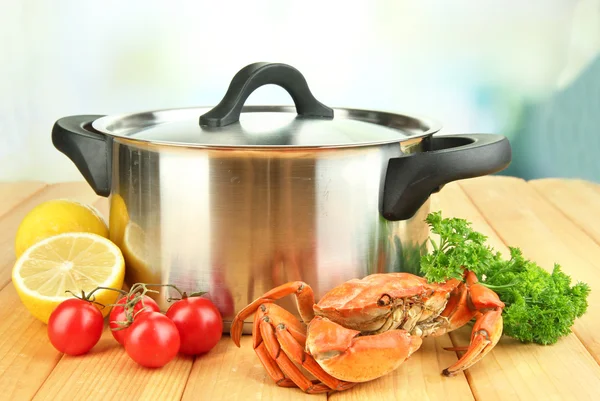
x,y
152,340
199,323
75,326
118,314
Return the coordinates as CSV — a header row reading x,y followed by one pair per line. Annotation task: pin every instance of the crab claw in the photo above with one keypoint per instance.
x,y
487,308
348,356
485,335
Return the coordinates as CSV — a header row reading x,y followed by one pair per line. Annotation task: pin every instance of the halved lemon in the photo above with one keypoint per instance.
x,y
70,261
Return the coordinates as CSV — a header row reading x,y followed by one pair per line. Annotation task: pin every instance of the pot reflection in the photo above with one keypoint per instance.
x,y
236,223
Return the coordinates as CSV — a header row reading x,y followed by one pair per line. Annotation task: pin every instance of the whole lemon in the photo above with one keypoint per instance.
x,y
57,217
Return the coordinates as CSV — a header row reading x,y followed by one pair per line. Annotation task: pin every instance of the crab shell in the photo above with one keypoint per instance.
x,y
377,304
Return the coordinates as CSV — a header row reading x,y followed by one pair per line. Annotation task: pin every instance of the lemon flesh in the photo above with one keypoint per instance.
x,y
70,261
56,217
138,255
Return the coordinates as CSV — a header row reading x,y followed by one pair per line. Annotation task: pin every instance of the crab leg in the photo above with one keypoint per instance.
x,y
269,345
296,352
305,300
270,365
273,370
286,365
274,312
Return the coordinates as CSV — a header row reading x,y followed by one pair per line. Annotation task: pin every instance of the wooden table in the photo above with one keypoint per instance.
x,y
551,220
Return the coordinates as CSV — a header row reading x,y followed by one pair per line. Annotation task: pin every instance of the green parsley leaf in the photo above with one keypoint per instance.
x,y
540,307
459,248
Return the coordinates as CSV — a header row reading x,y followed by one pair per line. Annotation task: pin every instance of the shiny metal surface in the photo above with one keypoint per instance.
x,y
237,223
267,126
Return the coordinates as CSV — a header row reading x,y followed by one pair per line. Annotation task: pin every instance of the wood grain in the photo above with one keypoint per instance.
x,y
517,371
578,200
418,378
514,212
26,355
231,373
556,239
80,191
514,370
13,194
107,372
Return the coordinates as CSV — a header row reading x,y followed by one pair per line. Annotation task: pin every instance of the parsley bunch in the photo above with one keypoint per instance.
x,y
459,248
540,307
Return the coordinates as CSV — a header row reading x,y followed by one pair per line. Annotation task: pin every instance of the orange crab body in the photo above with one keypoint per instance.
x,y
366,328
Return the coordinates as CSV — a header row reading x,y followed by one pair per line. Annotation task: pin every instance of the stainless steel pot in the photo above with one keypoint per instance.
x,y
236,200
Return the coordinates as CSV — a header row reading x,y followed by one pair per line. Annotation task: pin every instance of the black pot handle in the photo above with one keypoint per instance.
x,y
90,150
411,179
253,76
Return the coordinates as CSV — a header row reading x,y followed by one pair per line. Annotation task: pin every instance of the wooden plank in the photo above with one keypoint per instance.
x,y
557,239
579,200
26,355
80,191
14,193
517,371
517,216
418,378
107,372
231,373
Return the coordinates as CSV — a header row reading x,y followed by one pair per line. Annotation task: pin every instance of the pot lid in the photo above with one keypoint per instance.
x,y
231,124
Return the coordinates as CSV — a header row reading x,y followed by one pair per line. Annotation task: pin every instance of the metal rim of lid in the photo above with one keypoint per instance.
x,y
125,124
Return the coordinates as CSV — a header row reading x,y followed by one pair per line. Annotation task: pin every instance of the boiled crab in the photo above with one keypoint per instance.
x,y
365,328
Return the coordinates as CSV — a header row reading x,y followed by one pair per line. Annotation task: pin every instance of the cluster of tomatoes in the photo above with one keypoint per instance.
x,y
192,325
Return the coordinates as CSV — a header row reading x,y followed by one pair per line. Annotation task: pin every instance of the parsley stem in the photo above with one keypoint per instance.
x,y
497,287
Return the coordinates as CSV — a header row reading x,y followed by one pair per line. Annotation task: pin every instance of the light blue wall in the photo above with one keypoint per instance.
x,y
471,65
